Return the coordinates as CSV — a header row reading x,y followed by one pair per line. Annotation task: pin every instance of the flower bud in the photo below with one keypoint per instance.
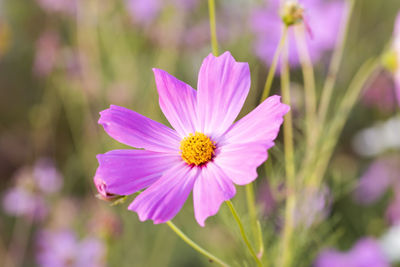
x,y
292,13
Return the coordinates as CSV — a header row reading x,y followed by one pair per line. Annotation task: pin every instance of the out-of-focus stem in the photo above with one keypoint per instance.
x,y
272,68
242,232
309,84
289,163
191,243
19,242
213,27
342,113
334,65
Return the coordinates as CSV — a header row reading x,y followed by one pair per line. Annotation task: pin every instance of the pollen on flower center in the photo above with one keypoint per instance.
x,y
197,149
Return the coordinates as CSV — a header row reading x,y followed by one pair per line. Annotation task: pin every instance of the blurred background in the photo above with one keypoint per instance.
x,y
63,61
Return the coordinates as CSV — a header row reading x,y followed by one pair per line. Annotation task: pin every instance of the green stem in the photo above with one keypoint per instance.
x,y
255,225
196,247
309,84
272,68
213,27
289,162
243,233
332,133
334,66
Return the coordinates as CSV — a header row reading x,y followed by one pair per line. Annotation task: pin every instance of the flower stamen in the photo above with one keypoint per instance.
x,y
197,149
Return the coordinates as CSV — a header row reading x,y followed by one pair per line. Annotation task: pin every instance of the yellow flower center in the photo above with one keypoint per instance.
x,y
197,149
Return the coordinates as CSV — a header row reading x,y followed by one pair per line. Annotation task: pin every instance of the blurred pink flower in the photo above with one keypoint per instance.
x,y
313,206
205,153
68,7
47,48
380,93
396,46
47,177
322,16
19,202
366,252
61,248
381,174
145,12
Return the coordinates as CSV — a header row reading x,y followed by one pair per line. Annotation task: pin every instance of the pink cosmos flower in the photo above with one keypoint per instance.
x,y
206,153
323,18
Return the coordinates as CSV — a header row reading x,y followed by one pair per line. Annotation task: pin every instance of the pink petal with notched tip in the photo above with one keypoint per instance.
x,y
133,129
211,188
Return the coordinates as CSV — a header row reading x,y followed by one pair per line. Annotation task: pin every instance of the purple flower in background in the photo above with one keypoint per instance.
x,y
17,201
322,16
47,48
396,46
68,7
380,94
206,153
312,206
366,253
63,249
146,11
376,180
47,177
393,211
381,174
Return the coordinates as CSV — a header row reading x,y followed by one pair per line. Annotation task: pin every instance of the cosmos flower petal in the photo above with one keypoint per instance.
x,y
223,85
177,101
240,161
133,129
123,172
163,200
211,188
260,125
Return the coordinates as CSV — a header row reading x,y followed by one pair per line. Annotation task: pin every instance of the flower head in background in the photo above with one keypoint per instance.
x,y
366,252
48,179
19,202
27,197
313,206
384,173
47,49
322,17
206,153
396,46
381,174
144,12
61,248
67,7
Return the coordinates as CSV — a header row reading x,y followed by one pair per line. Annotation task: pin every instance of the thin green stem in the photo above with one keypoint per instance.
x,y
289,163
196,247
255,225
309,84
332,133
272,68
242,232
334,66
213,27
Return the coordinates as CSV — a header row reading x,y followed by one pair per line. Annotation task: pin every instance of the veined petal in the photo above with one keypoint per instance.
x,y
211,188
163,200
133,129
260,125
223,85
124,172
240,161
177,101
